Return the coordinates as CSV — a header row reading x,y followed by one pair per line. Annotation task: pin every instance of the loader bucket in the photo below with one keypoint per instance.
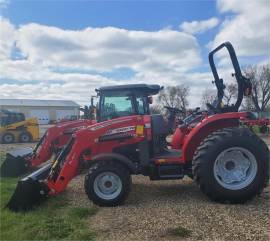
x,y
16,162
30,191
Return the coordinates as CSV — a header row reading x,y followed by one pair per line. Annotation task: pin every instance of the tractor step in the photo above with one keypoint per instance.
x,y
169,153
166,172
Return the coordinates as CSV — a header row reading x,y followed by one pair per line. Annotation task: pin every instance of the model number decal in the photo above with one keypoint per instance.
x,y
94,128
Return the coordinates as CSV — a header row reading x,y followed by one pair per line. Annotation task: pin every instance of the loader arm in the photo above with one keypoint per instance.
x,y
19,161
54,140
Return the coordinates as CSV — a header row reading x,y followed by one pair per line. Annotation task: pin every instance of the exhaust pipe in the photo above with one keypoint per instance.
x,y
16,162
30,191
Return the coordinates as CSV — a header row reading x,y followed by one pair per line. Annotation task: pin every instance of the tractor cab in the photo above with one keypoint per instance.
x,y
125,100
135,99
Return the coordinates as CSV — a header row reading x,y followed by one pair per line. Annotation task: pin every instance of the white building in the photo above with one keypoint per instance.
x,y
45,111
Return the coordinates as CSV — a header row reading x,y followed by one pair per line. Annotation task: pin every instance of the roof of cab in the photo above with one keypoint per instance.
x,y
149,89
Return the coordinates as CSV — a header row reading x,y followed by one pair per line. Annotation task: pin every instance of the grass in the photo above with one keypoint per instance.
x,y
55,219
256,129
179,232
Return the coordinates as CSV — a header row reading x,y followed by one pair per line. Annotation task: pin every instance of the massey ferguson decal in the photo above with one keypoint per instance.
x,y
120,130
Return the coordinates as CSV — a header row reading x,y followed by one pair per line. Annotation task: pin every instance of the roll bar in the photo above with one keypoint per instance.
x,y
244,84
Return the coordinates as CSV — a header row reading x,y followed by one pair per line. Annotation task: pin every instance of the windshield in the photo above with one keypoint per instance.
x,y
10,118
3,121
116,104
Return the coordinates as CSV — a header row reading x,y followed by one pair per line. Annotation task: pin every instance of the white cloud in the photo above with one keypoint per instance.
x,y
7,38
195,27
108,48
161,57
79,87
247,27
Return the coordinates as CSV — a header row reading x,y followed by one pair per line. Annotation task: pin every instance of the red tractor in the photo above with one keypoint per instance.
x,y
228,162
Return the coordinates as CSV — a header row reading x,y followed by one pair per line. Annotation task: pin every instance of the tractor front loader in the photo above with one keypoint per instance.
x,y
21,160
228,161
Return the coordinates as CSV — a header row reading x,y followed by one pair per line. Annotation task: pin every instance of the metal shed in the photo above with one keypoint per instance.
x,y
45,111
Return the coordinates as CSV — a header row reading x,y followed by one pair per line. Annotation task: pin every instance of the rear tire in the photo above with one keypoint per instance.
x,y
107,183
8,138
232,165
25,137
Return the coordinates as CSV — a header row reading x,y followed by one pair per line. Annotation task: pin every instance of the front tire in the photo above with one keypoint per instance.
x,y
232,165
8,138
107,183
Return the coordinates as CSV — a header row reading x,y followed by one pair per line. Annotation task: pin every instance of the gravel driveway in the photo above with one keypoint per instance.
x,y
153,208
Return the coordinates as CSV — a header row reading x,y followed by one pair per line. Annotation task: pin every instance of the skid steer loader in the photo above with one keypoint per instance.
x,y
228,161
15,128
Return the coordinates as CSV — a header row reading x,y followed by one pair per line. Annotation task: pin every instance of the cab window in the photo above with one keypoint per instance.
x,y
116,106
141,105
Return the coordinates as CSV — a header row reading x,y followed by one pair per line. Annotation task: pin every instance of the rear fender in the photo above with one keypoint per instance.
x,y
116,157
205,128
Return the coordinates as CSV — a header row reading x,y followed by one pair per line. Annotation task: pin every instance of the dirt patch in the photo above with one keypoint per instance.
x,y
266,139
8,147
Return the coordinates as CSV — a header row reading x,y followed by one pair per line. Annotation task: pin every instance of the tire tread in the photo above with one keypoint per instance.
x,y
202,152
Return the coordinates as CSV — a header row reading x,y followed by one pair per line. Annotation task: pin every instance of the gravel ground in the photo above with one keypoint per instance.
x,y
155,207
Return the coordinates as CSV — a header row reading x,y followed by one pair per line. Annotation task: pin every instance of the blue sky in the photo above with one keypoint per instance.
x,y
153,15
134,15
64,49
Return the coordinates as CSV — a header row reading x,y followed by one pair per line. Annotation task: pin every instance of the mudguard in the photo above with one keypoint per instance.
x,y
207,126
120,158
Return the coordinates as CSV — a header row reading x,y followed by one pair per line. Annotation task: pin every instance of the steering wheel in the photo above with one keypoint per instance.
x,y
173,110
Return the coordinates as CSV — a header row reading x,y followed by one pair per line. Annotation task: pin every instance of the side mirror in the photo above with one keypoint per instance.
x,y
150,100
